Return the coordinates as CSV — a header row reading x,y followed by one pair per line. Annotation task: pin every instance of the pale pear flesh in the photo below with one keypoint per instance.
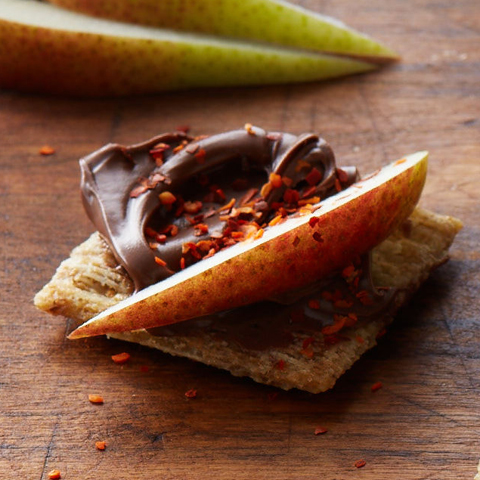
x,y
288,256
274,21
48,49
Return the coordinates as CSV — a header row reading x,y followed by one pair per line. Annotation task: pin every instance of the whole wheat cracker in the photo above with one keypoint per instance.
x,y
91,280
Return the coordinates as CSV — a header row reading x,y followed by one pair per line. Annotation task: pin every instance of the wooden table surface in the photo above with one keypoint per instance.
x,y
425,421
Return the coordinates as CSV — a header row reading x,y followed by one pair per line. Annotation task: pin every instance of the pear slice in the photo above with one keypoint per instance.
x,y
48,49
272,21
289,255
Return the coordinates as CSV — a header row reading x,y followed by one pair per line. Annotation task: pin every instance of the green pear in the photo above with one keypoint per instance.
x,y
48,49
272,21
290,255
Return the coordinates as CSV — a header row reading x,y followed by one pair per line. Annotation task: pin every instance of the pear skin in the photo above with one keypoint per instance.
x,y
289,255
48,49
273,21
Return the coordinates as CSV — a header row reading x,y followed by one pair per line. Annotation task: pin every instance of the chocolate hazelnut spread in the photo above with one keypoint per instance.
x,y
173,200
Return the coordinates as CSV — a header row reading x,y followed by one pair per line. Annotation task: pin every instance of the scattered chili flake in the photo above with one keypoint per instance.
x,y
359,463
320,430
144,368
376,386
54,475
359,339
275,180
336,327
259,234
249,128
314,177
121,358
307,352
338,186
47,150
182,263
94,398
296,241
167,198
200,156
101,445
318,237
275,221
160,262
313,221
192,393
280,365
342,175
137,191
266,189
402,160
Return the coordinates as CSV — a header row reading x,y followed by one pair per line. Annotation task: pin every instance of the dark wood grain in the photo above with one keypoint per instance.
x,y
425,421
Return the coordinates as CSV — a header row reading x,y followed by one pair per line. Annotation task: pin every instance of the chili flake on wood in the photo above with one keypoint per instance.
x,y
320,430
121,358
359,463
376,386
47,150
192,393
94,398
101,445
54,475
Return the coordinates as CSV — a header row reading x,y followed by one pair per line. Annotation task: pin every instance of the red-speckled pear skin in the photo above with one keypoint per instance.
x,y
281,263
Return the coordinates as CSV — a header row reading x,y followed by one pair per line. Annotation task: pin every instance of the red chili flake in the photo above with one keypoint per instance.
x,y
137,191
144,368
54,475
200,156
183,128
314,177
342,175
376,386
280,365
249,128
275,221
266,189
309,192
402,160
275,180
313,221
359,339
182,263
336,327
359,463
121,358
308,201
259,234
296,241
338,186
46,150
193,207
291,196
167,198
342,304
219,193
320,430
201,229
314,304
237,235
160,262
364,297
318,237
94,398
307,352
192,393
101,445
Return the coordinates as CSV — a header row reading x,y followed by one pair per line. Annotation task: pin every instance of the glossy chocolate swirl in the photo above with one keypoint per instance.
x,y
122,191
